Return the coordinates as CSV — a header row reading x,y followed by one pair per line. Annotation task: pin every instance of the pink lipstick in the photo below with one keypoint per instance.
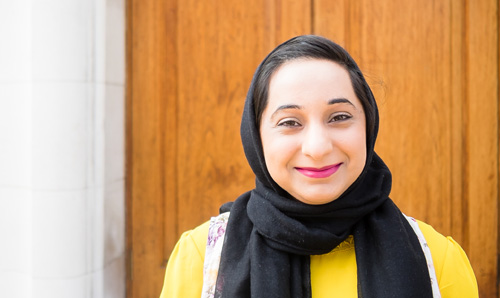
x,y
321,172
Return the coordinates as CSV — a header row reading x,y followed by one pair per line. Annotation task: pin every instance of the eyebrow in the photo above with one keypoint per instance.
x,y
297,107
340,100
285,107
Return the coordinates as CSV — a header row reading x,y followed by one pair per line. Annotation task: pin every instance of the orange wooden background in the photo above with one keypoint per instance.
x,y
433,66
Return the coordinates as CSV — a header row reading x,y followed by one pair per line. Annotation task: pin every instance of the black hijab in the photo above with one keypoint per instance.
x,y
270,235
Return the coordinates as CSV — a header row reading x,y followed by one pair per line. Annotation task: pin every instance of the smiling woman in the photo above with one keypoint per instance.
x,y
313,130
319,222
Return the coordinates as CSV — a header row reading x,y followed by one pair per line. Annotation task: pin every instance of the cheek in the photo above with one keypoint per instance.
x,y
357,150
352,144
278,151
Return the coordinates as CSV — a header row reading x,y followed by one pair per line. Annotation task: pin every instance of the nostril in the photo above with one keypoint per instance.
x,y
316,147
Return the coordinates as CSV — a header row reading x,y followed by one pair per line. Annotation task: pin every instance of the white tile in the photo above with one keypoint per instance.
x,y
95,226
98,132
15,285
114,278
98,284
15,231
114,133
60,234
15,134
110,280
62,135
100,41
115,42
62,40
77,287
114,221
15,54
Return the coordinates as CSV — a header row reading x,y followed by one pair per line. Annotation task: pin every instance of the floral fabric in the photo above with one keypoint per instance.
x,y
216,233
427,252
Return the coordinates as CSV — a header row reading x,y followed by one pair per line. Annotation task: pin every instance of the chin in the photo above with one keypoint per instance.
x,y
319,194
317,200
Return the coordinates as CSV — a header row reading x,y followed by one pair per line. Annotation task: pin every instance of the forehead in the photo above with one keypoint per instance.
x,y
308,79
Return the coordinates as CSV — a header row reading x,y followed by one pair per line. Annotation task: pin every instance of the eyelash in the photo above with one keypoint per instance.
x,y
289,123
342,116
294,123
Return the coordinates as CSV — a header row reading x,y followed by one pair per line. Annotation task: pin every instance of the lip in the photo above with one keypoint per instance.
x,y
323,172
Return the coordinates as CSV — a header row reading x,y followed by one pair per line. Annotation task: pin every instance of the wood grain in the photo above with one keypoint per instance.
x,y
147,87
330,20
433,68
481,149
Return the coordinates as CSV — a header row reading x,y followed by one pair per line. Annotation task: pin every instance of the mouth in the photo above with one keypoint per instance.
x,y
323,172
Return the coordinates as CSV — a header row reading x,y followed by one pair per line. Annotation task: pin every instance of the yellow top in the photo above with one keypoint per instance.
x,y
334,272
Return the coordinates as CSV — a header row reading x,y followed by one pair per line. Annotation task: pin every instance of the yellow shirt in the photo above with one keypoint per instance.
x,y
334,272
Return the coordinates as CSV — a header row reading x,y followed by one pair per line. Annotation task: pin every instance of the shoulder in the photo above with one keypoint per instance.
x,y
453,270
195,240
185,265
441,247
430,233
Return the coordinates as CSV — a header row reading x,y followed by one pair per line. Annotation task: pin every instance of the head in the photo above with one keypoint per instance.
x,y
314,47
315,117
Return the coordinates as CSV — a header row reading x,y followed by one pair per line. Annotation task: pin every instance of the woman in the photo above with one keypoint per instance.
x,y
319,222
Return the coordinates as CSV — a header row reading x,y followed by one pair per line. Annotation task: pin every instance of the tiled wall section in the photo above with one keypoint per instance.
x,y
62,73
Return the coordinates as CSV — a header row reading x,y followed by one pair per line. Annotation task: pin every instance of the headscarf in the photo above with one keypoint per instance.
x,y
270,235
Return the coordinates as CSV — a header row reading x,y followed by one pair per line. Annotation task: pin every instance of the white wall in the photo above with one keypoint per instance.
x,y
62,82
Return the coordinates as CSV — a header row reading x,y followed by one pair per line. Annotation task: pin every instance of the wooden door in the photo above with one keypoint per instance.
x,y
433,68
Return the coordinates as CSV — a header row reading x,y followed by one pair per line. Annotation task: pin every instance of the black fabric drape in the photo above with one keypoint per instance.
x,y
270,235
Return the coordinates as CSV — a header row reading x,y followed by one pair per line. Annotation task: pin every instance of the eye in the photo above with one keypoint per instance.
x,y
340,117
288,123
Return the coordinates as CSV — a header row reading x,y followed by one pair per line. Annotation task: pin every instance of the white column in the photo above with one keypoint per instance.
x,y
15,150
110,36
62,148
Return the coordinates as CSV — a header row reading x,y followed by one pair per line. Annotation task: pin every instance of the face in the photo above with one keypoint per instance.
x,y
313,130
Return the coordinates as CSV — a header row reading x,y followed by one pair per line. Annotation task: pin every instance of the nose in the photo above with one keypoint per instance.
x,y
316,143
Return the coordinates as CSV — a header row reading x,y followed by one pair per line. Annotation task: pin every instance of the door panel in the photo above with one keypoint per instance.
x,y
434,72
